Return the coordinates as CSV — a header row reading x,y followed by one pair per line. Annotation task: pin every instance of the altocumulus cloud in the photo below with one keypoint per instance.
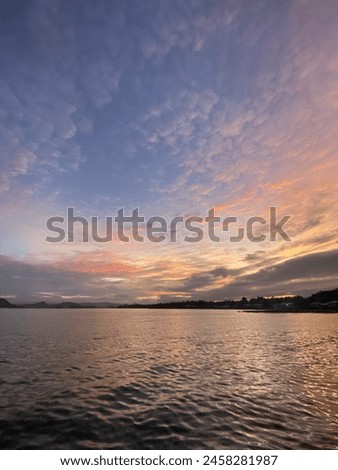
x,y
173,107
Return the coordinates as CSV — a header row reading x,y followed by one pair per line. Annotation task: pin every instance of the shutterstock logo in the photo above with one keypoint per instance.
x,y
156,229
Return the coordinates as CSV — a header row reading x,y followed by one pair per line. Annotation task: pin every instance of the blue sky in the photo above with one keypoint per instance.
x,y
173,107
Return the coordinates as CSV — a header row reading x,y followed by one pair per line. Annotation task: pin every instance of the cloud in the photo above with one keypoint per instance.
x,y
175,108
303,274
202,280
62,61
28,281
96,262
19,164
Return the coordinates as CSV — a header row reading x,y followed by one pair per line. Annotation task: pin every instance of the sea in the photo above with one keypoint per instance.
x,y
167,379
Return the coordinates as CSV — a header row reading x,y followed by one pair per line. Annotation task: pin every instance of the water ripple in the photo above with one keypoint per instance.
x,y
139,379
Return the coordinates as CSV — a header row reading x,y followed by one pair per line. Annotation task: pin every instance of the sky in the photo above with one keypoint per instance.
x,y
173,107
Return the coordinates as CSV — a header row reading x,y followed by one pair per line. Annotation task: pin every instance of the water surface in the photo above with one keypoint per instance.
x,y
167,379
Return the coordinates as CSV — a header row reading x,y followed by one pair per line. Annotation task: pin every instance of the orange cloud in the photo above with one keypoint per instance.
x,y
99,262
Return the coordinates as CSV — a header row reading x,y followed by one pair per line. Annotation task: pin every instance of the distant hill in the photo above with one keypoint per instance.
x,y
39,305
321,301
5,304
